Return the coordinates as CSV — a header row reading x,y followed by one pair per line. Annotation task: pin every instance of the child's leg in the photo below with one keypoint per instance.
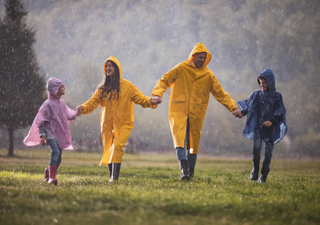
x,y
256,149
268,150
55,152
60,157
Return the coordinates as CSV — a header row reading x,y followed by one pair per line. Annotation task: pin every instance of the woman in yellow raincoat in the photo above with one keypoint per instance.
x,y
191,83
116,96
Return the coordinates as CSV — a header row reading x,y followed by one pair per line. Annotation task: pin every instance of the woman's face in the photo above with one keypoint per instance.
x,y
109,68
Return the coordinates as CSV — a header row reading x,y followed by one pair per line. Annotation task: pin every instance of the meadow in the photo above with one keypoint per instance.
x,y
149,191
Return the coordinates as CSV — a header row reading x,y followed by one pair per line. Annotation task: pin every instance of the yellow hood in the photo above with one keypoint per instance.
x,y
113,59
197,49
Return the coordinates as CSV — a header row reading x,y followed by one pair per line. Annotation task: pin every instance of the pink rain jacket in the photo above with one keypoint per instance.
x,y
57,116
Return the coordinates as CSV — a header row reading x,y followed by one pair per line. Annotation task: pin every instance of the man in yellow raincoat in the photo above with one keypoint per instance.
x,y
191,83
116,96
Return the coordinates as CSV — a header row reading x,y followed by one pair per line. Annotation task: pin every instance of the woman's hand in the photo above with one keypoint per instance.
x,y
79,110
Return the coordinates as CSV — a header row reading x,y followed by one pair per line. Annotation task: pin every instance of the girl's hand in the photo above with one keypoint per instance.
x,y
79,110
267,124
44,140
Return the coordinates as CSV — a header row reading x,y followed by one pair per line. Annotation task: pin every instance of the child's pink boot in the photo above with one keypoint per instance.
x,y
46,174
52,175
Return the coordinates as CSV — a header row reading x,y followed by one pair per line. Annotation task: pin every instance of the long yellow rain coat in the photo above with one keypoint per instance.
x,y
117,116
190,91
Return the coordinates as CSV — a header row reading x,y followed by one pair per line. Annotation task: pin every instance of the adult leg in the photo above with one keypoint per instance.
x,y
183,163
268,151
256,149
192,159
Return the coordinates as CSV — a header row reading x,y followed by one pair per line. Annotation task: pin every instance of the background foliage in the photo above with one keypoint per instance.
x,y
150,37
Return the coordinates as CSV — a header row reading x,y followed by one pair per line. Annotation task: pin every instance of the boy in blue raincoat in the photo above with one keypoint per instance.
x,y
266,121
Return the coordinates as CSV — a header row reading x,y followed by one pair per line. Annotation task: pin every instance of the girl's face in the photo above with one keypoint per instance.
x,y
61,91
109,68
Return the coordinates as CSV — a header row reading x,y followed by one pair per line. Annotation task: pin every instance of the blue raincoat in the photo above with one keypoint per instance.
x,y
264,106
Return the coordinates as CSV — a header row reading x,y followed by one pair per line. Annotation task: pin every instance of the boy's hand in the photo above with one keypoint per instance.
x,y
44,140
79,110
267,124
237,113
156,100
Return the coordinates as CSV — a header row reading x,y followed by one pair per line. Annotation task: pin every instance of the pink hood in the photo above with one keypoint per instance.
x,y
57,116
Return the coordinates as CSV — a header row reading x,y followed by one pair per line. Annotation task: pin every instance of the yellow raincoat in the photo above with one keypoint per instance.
x,y
117,116
191,87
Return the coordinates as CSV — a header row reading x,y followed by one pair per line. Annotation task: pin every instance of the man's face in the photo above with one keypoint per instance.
x,y
263,84
199,59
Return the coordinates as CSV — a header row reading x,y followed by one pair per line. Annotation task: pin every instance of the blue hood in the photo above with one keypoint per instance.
x,y
268,75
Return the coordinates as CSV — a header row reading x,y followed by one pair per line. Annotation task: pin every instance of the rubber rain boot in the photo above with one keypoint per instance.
x,y
184,169
52,175
263,175
110,169
115,172
255,171
46,174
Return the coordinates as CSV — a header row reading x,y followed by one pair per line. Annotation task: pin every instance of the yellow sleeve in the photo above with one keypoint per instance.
x,y
166,81
93,103
140,99
220,95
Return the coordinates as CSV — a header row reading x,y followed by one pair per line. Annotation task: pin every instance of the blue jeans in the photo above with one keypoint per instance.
x,y
268,150
56,153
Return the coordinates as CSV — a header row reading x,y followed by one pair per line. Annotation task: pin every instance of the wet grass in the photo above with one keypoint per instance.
x,y
149,191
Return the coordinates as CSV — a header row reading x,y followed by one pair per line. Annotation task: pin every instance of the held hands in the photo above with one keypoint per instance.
x,y
237,113
79,110
44,140
156,100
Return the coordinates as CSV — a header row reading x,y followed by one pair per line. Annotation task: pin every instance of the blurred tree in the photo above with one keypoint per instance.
x,y
21,84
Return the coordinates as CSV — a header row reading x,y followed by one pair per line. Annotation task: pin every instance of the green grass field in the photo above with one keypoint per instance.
x,y
149,191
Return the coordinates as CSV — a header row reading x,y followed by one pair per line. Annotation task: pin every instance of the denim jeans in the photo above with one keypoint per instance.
x,y
56,153
268,150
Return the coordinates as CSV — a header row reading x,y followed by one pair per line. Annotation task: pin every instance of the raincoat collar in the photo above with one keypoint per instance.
x,y
199,47
53,86
268,75
113,59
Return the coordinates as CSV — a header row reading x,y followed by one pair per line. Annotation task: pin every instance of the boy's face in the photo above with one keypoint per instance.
x,y
263,84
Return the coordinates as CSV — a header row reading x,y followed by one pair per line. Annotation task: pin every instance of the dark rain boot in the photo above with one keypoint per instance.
x,y
184,169
255,170
52,175
110,169
192,159
46,174
191,172
263,175
115,172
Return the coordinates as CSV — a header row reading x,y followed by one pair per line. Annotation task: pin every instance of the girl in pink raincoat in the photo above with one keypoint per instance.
x,y
51,127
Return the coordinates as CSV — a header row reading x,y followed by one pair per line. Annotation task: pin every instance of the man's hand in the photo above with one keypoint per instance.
x,y
44,140
236,113
267,124
79,110
156,100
